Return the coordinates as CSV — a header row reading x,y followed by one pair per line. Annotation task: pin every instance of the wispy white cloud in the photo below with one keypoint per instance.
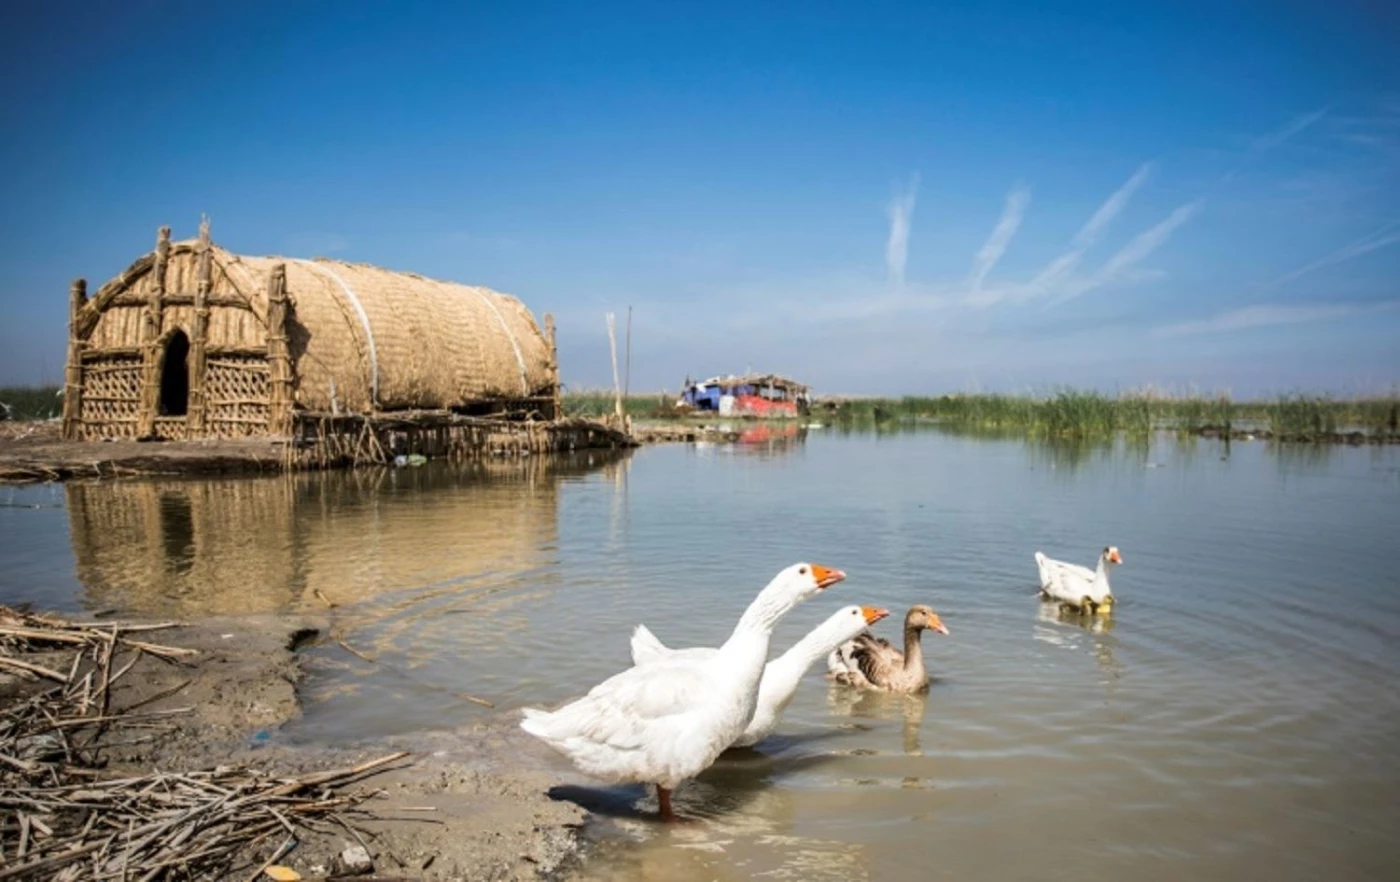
x,y
1002,234
901,211
1376,240
1144,243
1091,232
1265,143
1295,126
1122,267
1265,315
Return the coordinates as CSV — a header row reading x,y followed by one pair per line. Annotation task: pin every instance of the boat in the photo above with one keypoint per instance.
x,y
764,396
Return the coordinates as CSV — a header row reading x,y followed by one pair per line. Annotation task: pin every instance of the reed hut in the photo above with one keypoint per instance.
x,y
192,342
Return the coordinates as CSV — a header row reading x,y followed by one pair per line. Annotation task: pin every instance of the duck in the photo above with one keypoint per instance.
x,y
1079,587
782,675
668,719
870,662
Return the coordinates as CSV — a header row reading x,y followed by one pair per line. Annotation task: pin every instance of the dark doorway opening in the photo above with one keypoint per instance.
x,y
175,376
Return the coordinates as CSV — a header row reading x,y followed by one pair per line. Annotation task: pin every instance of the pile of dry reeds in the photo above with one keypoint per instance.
x,y
63,817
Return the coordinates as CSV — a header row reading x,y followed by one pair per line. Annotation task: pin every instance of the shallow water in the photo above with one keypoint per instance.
x,y
1236,715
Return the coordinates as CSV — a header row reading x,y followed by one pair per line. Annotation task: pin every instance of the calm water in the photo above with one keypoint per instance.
x,y
1237,715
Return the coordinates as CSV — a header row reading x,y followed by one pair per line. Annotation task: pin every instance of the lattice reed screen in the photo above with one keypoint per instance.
x,y
236,395
111,396
171,428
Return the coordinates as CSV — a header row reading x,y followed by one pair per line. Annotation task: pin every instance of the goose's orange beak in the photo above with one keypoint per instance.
x,y
826,576
1115,556
936,624
873,614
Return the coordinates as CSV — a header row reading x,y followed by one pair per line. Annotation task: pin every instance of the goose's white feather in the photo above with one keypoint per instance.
x,y
668,719
1071,583
781,676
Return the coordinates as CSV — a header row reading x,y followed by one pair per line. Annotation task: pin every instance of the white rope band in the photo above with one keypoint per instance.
x,y
364,322
519,359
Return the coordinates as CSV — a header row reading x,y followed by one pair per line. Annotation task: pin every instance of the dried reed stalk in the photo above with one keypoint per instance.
x,y
63,818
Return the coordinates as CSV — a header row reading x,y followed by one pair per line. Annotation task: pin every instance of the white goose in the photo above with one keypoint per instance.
x,y
667,720
1079,587
782,675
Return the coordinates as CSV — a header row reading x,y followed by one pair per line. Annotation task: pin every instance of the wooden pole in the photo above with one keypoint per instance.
x,y
73,371
279,358
150,339
194,420
552,335
627,372
617,385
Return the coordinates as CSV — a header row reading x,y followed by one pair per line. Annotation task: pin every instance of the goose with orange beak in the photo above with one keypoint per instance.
x,y
783,674
870,662
1077,587
668,719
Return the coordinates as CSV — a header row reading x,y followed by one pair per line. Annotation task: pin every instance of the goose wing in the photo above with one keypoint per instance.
x,y
647,648
625,711
876,658
1051,569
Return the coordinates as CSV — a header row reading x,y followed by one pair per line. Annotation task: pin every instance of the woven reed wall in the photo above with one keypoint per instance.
x,y
111,400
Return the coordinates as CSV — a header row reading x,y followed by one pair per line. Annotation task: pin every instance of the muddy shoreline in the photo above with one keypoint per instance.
x,y
471,803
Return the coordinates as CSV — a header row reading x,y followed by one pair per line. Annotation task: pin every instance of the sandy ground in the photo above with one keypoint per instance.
x,y
486,786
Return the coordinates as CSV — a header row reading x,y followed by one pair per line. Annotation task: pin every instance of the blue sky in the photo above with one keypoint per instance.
x,y
878,197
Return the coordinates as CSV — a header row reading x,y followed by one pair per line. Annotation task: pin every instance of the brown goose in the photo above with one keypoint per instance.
x,y
870,662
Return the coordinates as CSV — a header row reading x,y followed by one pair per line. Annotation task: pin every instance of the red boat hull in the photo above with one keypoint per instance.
x,y
757,405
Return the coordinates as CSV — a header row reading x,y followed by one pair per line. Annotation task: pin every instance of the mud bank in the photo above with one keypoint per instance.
x,y
466,804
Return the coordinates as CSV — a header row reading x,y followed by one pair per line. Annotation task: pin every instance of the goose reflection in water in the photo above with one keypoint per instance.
x,y
908,708
726,791
738,823
1066,627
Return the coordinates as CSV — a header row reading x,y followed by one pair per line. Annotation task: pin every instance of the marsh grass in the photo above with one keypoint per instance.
x,y
31,402
1077,414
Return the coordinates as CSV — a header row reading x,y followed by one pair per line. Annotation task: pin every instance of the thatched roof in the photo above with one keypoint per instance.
x,y
408,340
379,339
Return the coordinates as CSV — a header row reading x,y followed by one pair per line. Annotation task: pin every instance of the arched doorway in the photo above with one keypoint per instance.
x,y
175,376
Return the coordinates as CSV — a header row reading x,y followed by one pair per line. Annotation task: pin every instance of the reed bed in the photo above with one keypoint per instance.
x,y
63,816
1078,414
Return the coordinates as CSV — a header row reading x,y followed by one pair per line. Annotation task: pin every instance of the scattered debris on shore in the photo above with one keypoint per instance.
x,y
68,817
124,758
